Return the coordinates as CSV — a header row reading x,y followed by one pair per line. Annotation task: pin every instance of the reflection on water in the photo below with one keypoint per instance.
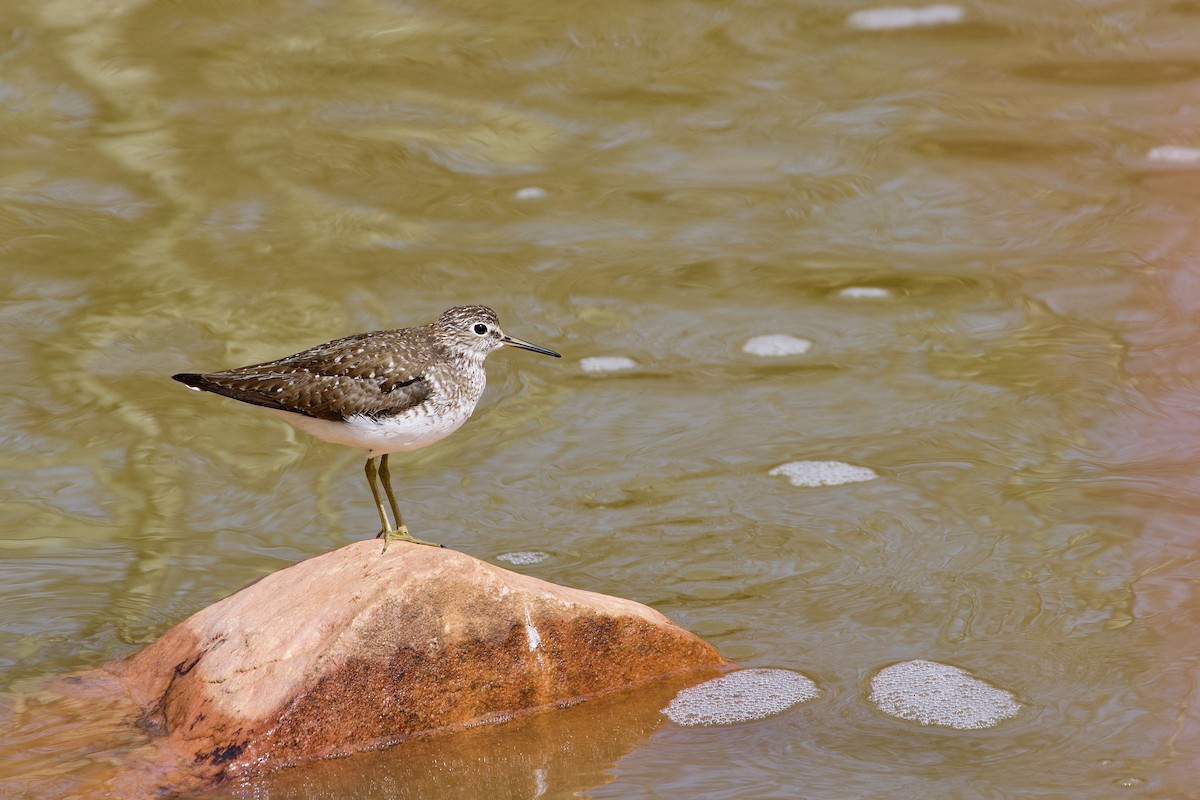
x,y
965,218
546,755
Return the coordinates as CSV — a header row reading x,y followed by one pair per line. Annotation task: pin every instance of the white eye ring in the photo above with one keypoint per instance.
x,y
481,329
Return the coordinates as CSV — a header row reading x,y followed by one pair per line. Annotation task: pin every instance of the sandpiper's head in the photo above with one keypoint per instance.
x,y
475,330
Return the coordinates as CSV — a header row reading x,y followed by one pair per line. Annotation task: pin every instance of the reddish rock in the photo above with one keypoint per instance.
x,y
356,649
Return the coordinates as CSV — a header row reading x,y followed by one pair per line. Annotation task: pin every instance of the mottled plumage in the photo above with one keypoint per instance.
x,y
383,392
368,373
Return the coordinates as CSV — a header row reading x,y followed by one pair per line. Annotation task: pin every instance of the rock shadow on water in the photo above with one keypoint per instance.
x,y
553,754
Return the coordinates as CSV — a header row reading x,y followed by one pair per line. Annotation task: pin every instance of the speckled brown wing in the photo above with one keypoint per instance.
x,y
369,373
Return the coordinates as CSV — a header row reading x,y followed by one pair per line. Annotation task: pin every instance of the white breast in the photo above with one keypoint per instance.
x,y
396,434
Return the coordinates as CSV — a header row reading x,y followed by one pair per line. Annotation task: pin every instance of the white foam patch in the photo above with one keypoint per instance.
x,y
523,558
1174,154
939,694
741,696
607,364
775,345
531,193
893,18
823,473
865,293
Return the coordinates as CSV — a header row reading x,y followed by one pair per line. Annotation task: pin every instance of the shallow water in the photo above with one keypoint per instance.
x,y
196,186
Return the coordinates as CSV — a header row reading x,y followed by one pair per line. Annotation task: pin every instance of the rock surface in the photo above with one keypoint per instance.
x,y
357,649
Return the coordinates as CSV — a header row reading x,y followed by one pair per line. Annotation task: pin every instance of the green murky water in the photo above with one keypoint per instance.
x,y
201,185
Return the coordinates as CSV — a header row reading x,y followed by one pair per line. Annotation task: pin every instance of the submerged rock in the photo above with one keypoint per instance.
x,y
356,649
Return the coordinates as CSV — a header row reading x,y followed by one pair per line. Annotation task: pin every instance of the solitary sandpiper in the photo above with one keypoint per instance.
x,y
383,392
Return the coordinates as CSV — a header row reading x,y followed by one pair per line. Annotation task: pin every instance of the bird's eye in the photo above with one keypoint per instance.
x,y
480,328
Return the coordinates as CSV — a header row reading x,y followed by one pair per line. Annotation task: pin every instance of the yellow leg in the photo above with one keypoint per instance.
x,y
385,476
383,520
400,532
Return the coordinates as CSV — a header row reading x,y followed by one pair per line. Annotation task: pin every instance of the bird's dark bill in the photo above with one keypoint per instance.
x,y
512,341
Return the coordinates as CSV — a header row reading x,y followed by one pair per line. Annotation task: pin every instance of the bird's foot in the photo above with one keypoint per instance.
x,y
401,535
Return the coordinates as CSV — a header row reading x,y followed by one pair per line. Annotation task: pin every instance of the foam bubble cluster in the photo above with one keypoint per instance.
x,y
607,363
1174,154
741,696
775,345
823,473
530,193
939,694
523,558
899,17
865,293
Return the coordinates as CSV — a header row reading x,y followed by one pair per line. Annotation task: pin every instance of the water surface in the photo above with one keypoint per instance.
x,y
190,186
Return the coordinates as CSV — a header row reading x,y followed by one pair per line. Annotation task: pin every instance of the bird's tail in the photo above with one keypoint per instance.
x,y
192,380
